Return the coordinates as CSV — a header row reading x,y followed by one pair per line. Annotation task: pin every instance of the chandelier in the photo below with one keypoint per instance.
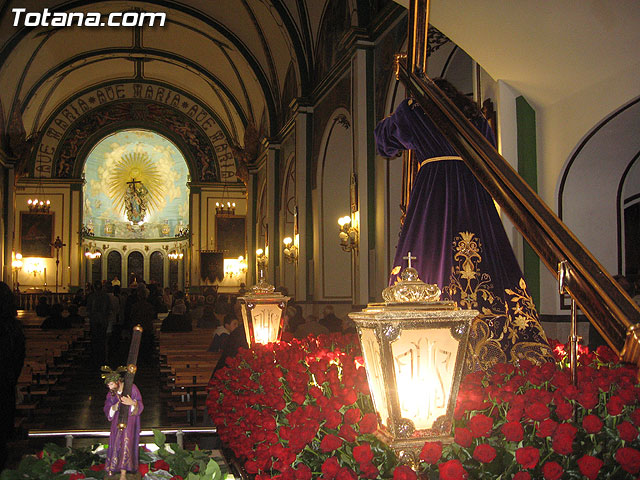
x,y
228,208
175,255
39,203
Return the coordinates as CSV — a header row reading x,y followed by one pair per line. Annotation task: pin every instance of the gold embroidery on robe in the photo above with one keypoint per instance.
x,y
505,330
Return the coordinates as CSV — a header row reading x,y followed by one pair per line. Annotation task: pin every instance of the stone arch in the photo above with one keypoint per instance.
x,y
334,275
71,130
598,178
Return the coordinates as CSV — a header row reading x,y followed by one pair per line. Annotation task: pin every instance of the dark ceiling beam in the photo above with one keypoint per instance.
x,y
127,54
255,66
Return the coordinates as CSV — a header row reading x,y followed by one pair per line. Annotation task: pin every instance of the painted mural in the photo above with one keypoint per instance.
x,y
136,187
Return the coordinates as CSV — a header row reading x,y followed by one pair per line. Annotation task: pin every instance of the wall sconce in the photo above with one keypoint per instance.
x,y
175,255
290,250
91,252
16,266
413,347
235,267
228,208
348,234
34,266
262,308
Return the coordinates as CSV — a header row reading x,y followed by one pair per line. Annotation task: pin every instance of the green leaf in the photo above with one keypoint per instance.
x,y
213,469
159,438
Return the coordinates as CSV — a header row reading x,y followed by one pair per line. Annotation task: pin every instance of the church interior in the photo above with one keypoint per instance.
x,y
232,142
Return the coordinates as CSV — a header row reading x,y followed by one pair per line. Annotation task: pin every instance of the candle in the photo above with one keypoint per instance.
x,y
45,276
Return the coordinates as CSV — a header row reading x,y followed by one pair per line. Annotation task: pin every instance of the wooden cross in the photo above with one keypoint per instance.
x,y
133,182
408,258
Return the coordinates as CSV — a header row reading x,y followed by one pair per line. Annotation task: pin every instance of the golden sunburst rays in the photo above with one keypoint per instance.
x,y
138,166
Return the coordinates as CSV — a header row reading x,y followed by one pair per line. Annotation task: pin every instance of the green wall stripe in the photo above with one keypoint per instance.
x,y
528,169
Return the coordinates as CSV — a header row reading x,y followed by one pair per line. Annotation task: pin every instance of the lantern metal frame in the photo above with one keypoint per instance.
x,y
386,323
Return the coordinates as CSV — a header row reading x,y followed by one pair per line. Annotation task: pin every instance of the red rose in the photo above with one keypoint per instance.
x,y
431,452
564,410
522,476
345,473
546,428
484,453
330,442
538,411
302,472
39,454
161,465
588,400
629,459
369,423
362,453
369,470
628,432
615,406
563,444
332,419
352,416
97,468
513,431
58,466
590,466
527,457
251,466
515,414
463,437
76,476
552,471
635,417
452,470
143,468
404,473
592,424
606,354
480,425
348,433
330,467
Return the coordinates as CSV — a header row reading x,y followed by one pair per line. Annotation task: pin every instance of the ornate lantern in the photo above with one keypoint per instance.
x,y
262,309
413,347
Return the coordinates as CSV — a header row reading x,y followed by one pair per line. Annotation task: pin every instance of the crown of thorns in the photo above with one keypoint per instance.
x,y
112,375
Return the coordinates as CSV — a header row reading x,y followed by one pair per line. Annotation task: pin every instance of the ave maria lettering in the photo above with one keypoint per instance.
x,y
62,124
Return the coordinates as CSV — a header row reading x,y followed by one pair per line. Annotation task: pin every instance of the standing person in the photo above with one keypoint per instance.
x,y
454,230
12,353
98,310
122,455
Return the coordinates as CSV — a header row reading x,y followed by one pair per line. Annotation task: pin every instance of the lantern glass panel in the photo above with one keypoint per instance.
x,y
371,353
266,322
424,365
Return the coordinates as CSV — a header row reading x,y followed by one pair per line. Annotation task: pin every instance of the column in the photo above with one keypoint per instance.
x,y
273,158
364,160
303,197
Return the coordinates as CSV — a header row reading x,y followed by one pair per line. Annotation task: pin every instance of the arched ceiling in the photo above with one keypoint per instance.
x,y
232,55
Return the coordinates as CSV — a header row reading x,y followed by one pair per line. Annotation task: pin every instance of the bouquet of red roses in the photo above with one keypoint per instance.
x,y
526,421
300,410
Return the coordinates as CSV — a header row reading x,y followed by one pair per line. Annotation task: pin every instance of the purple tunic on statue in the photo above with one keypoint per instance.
x,y
123,444
454,230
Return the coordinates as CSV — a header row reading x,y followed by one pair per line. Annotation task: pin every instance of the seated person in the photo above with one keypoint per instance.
x,y
178,320
236,340
208,318
222,333
329,320
55,320
310,327
73,316
42,308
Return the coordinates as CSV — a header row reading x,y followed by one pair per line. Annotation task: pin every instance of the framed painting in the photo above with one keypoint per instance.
x,y
211,266
36,234
230,235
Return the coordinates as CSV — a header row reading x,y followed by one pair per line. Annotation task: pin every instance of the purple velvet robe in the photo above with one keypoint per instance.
x,y
454,230
123,445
